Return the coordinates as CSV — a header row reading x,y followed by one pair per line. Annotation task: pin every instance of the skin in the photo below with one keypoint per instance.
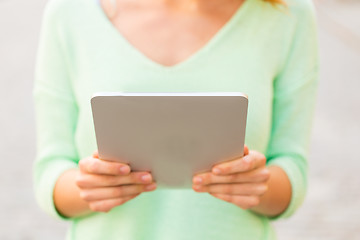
x,y
153,27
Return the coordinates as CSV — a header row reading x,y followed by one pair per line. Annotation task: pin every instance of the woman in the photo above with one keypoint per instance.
x,y
267,49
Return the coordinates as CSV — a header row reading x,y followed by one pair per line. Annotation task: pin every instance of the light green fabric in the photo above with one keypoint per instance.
x,y
267,52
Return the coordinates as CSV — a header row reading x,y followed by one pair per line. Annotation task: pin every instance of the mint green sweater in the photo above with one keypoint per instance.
x,y
266,52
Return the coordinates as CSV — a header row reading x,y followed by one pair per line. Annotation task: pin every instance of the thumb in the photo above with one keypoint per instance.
x,y
246,150
96,154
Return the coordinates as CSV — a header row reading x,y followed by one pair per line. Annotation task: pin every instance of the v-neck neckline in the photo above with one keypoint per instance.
x,y
215,38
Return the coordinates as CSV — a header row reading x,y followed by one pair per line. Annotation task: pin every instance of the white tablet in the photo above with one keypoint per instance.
x,y
173,135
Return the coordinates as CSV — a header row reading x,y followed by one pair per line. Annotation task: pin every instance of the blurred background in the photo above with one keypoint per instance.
x,y
332,208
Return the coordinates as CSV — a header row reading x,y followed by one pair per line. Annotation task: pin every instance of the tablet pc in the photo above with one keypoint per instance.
x,y
172,135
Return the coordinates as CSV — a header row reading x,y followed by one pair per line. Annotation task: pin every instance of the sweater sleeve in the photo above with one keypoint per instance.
x,y
293,104
55,111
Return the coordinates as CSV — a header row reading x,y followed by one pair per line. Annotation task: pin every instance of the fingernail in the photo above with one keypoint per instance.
x,y
124,169
198,180
150,187
197,187
216,170
146,178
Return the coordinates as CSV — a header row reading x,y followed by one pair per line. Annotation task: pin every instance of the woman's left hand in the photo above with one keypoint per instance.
x,y
241,181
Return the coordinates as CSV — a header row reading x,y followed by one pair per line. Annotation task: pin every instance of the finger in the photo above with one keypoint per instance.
x,y
93,181
234,189
247,163
97,166
245,202
108,204
255,176
95,194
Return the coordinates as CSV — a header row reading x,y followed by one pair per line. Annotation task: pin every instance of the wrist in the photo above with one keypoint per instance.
x,y
66,196
278,196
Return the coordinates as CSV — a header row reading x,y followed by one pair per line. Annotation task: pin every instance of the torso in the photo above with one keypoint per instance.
x,y
169,34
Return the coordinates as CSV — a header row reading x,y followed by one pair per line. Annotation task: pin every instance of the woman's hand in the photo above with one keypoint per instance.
x,y
104,184
241,181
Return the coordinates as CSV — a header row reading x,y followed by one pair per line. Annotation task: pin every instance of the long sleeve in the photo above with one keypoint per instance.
x,y
293,105
55,111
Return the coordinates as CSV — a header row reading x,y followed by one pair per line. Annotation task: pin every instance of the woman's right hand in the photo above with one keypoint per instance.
x,y
104,184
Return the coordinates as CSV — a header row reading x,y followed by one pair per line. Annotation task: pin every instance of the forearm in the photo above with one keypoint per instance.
x,y
278,196
67,196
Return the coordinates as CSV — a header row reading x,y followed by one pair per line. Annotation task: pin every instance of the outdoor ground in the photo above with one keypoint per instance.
x,y
332,207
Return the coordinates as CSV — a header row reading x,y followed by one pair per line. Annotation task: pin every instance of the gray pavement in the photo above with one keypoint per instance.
x,y
332,207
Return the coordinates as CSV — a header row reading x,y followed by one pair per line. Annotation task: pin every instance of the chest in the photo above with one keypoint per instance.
x,y
236,60
168,35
